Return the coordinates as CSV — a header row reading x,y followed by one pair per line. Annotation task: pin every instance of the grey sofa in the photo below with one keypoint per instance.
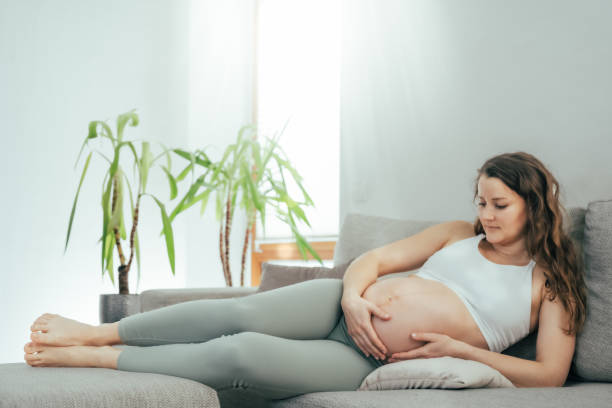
x,y
22,385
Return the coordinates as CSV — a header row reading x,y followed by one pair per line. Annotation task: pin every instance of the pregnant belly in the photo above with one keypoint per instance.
x,y
420,305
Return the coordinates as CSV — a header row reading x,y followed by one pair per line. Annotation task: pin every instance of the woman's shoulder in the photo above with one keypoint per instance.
x,y
459,230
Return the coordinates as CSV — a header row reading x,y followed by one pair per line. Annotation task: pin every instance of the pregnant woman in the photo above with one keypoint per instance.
x,y
479,289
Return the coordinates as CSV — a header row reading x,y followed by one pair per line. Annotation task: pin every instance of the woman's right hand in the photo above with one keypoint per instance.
x,y
357,313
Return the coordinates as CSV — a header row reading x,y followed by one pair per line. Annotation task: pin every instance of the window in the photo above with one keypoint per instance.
x,y
298,84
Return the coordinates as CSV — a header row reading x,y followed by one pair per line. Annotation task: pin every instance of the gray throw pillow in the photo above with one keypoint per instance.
x,y
593,356
440,372
275,276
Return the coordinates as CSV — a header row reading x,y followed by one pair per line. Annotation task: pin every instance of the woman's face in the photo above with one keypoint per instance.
x,y
501,210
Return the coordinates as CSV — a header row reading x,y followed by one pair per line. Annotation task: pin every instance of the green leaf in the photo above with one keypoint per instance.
x,y
105,217
184,173
115,164
75,200
136,242
93,130
105,132
167,232
204,198
104,156
199,197
303,244
172,182
122,232
117,212
251,187
219,166
108,256
85,143
268,151
192,158
144,165
186,199
168,159
300,213
127,182
132,149
263,220
130,118
233,200
257,159
164,152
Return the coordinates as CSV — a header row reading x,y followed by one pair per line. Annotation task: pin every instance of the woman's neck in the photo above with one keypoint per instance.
x,y
515,251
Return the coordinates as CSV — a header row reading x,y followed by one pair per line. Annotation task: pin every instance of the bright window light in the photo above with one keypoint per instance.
x,y
298,84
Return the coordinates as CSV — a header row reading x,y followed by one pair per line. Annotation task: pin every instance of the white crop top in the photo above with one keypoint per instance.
x,y
497,296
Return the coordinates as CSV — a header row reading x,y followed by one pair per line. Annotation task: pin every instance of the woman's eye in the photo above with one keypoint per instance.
x,y
501,207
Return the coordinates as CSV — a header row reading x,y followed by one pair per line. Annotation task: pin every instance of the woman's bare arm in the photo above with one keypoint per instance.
x,y
554,352
361,273
402,255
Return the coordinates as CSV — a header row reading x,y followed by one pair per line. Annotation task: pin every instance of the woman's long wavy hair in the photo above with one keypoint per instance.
x,y
546,240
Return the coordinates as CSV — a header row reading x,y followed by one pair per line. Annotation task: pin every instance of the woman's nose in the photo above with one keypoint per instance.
x,y
486,214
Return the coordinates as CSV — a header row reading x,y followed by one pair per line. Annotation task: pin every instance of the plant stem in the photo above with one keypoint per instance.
x,y
222,251
247,235
118,243
228,224
123,283
133,233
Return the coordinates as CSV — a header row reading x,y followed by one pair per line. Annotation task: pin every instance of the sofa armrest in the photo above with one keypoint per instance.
x,y
156,298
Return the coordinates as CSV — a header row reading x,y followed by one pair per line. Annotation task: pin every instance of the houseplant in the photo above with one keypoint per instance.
x,y
114,307
246,169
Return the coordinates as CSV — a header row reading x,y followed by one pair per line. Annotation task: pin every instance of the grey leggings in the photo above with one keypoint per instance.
x,y
278,344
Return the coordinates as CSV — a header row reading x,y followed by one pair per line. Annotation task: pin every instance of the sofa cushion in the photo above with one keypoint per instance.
x,y
275,276
440,372
592,395
24,386
156,298
593,357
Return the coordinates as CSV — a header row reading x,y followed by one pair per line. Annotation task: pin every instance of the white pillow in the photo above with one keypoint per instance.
x,y
440,372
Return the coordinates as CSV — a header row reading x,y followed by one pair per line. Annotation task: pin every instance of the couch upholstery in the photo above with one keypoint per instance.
x,y
21,385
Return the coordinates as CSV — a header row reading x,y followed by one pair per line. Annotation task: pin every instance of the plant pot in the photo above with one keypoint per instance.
x,y
114,307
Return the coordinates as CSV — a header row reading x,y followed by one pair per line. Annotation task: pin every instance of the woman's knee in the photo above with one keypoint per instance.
x,y
236,354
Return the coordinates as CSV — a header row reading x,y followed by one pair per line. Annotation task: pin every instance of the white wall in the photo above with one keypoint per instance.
x,y
64,63
220,102
431,89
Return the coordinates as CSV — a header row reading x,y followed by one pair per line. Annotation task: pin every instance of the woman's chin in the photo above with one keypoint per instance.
x,y
493,236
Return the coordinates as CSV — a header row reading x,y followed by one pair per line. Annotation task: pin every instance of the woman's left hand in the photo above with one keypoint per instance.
x,y
437,345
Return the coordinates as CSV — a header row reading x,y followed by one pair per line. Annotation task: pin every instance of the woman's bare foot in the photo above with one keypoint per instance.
x,y
38,355
61,331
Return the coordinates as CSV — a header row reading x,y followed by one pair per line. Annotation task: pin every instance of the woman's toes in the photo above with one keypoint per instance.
x,y
32,348
32,359
38,337
42,325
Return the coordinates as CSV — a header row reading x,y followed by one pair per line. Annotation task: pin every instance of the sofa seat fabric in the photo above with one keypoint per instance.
x,y
44,387
591,394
